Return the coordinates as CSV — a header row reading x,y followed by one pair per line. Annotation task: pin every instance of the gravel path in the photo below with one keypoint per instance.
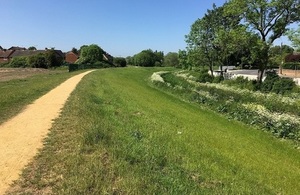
x,y
22,136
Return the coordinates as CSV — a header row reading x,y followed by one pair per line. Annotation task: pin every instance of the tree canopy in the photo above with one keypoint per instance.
x,y
148,58
294,36
269,19
120,61
239,32
90,54
171,59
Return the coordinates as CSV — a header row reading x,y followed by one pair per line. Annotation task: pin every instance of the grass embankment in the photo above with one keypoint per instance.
x,y
120,135
17,93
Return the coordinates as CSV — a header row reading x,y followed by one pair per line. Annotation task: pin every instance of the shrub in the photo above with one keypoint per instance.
x,y
174,81
268,83
18,62
4,64
291,65
205,77
73,67
218,79
37,61
120,62
273,83
52,60
283,85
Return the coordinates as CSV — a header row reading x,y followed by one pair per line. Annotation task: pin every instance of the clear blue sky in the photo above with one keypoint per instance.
x,y
121,27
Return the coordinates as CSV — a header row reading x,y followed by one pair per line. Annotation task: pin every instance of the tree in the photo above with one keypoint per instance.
x,y
37,61
269,19
159,57
171,59
74,50
90,54
148,58
294,36
32,48
120,62
52,60
278,53
183,59
130,60
145,58
209,38
201,38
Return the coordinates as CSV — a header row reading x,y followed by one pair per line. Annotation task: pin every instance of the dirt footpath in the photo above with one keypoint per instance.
x,y
22,136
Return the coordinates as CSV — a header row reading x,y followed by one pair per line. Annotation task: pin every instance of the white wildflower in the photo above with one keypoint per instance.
x,y
276,117
157,76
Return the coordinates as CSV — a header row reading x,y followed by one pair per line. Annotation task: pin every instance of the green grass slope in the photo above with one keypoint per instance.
x,y
118,134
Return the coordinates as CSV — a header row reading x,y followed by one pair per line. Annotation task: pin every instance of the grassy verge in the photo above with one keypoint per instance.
x,y
270,112
15,94
120,135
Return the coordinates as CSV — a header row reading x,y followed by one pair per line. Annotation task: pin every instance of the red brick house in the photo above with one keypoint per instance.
x,y
71,57
294,57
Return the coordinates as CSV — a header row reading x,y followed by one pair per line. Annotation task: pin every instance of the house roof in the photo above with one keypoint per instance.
x,y
295,57
6,54
17,48
60,53
19,53
1,48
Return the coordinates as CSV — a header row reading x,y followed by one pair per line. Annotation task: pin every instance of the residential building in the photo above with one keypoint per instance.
x,y
71,57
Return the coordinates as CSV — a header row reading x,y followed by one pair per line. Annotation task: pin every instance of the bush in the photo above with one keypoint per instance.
x,y
291,65
120,62
283,85
4,64
243,83
18,62
218,79
205,77
37,61
273,83
52,60
268,83
73,67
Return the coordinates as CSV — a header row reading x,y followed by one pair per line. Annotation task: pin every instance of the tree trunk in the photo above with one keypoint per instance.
x,y
211,68
260,75
263,64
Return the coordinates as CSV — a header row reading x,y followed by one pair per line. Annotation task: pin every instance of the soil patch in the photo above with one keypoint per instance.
x,y
7,74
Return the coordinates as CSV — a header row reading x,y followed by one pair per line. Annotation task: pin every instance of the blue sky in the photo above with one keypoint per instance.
x,y
121,27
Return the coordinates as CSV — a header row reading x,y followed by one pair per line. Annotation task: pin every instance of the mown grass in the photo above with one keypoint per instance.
x,y
118,134
17,93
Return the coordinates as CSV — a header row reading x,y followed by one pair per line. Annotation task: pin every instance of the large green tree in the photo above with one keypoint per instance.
x,y
171,59
294,36
269,19
91,54
148,58
278,53
201,39
209,38
183,59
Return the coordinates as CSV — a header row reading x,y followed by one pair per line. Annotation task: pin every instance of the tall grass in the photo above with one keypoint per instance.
x,y
118,134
